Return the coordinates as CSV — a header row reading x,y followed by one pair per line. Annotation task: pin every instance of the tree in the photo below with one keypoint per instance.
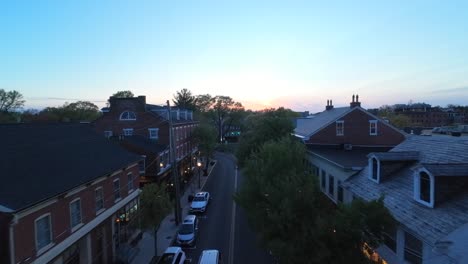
x,y
10,101
74,112
155,205
205,136
184,99
271,124
123,94
203,103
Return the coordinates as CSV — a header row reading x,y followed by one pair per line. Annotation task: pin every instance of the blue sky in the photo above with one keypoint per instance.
x,y
296,54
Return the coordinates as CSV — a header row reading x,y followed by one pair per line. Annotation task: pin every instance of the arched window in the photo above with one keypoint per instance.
x,y
424,187
127,115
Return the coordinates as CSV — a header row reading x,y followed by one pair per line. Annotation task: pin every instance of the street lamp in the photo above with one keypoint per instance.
x,y
199,167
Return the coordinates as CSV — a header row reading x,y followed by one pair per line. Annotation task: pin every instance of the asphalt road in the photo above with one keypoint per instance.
x,y
224,226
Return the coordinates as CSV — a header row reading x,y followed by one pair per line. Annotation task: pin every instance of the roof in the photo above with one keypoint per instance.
x,y
447,169
145,143
56,157
308,126
348,159
173,250
397,155
439,154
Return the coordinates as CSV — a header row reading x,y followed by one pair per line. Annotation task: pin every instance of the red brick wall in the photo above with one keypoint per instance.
x,y
25,245
356,132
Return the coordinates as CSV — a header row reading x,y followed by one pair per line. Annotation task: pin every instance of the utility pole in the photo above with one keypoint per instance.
x,y
175,175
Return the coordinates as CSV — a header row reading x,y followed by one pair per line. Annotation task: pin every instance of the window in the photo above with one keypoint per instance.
x,y
413,249
127,115
373,127
130,182
331,185
116,189
424,187
99,199
324,180
108,134
374,165
340,128
43,232
128,131
390,239
75,213
153,133
340,192
142,164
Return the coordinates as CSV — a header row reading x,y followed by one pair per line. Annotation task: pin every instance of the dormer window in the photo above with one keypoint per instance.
x,y
340,128
424,187
127,115
374,169
373,127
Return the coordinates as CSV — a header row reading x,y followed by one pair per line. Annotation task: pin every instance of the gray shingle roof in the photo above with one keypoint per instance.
x,y
146,144
347,159
308,126
430,224
397,155
40,161
447,169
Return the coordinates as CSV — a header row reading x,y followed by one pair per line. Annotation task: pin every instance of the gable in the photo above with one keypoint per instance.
x,y
356,131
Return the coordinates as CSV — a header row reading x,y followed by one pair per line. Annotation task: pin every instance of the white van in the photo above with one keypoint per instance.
x,y
210,256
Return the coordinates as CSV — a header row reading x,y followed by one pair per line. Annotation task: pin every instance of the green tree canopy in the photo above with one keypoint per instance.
x,y
10,100
271,124
184,99
123,94
205,136
73,112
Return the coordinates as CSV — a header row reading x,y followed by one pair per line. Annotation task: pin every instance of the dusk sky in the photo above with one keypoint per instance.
x,y
295,54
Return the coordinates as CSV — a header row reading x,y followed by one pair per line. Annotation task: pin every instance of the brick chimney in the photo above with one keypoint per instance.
x,y
329,105
355,103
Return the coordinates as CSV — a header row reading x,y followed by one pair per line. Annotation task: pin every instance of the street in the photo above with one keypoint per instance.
x,y
224,226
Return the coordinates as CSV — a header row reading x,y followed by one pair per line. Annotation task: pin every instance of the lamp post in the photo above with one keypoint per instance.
x,y
199,167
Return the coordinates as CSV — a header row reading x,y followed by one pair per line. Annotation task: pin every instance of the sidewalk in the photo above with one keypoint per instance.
x,y
168,229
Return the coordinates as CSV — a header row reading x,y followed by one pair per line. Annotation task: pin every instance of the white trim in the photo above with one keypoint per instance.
x,y
113,190
36,208
371,169
417,190
342,127
5,209
75,227
59,248
156,130
128,119
46,247
98,180
75,191
12,238
127,132
375,122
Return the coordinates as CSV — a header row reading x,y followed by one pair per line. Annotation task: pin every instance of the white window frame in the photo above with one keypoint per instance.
x,y
80,223
417,189
340,123
48,246
371,169
153,130
108,133
130,182
100,210
128,131
128,116
114,191
371,124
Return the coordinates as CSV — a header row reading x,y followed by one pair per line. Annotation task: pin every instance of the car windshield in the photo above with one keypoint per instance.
x,y
199,199
186,229
166,258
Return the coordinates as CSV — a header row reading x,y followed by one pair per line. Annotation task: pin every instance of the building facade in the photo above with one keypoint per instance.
x,y
67,197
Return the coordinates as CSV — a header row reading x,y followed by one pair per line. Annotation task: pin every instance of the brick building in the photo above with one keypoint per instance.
x,y
338,141
67,195
144,129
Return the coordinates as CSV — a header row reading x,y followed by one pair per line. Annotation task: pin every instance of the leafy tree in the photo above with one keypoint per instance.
x,y
74,112
123,94
10,101
285,206
155,205
184,99
203,103
264,126
205,136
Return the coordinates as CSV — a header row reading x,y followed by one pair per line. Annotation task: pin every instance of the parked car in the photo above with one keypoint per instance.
x,y
210,256
200,202
186,236
172,255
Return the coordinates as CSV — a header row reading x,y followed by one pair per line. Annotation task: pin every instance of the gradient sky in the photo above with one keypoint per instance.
x,y
296,54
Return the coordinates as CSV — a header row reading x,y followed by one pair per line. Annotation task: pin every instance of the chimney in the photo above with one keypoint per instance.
x,y
355,103
329,105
